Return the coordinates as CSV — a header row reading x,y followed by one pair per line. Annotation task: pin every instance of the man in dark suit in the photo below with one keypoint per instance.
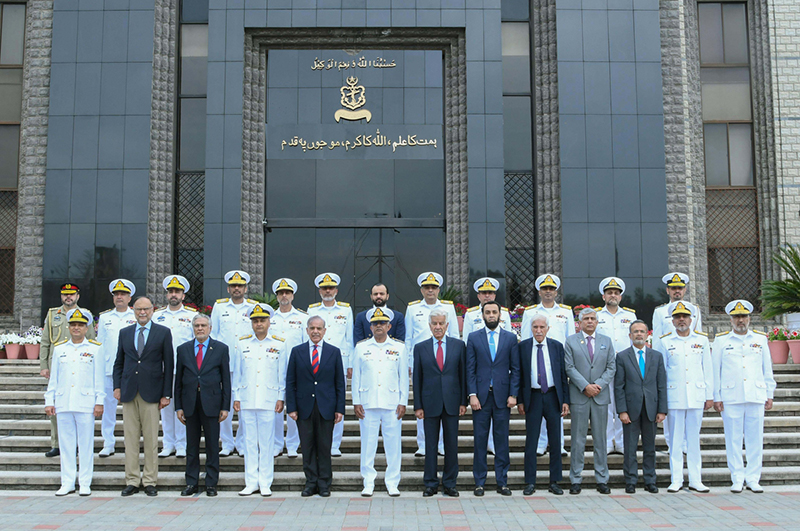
x,y
640,391
440,397
543,394
315,393
202,400
361,328
143,383
491,370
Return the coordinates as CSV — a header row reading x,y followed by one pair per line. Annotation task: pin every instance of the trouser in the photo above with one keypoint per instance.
x,y
76,435
481,420
140,418
209,426
744,422
544,435
338,429
292,437
645,428
315,437
447,425
582,415
109,421
174,430
53,418
684,424
544,406
382,421
226,433
614,435
259,462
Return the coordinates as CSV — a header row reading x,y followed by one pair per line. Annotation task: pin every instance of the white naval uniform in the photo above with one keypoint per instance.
x,y
77,384
561,323
473,320
617,327
292,327
180,324
743,382
690,382
418,329
258,383
380,384
109,324
229,322
339,333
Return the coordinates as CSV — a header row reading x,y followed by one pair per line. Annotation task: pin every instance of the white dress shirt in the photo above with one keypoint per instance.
x,y
535,365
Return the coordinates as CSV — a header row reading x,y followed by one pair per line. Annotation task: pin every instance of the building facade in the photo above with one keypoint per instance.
x,y
382,138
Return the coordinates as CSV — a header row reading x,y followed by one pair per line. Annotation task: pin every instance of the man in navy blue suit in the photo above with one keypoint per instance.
x,y
361,328
491,369
315,393
440,397
543,394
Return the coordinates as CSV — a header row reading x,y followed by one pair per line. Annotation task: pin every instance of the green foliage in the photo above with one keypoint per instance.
x,y
783,296
266,298
451,294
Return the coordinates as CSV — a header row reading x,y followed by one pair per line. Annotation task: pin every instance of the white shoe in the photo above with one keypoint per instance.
x,y
367,492
336,452
181,453
564,451
674,487
105,452
166,452
540,453
441,451
85,491
393,491
699,488
736,488
291,453
490,450
247,491
225,453
63,491
755,487
265,491
419,453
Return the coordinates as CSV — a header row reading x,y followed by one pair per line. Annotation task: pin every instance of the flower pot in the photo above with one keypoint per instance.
x,y
794,348
779,350
32,352
2,353
13,351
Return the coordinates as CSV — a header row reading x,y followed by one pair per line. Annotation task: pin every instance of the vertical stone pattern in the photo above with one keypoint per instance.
x,y
33,163
548,178
162,148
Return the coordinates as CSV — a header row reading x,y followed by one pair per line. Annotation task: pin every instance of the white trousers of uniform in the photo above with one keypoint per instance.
x,y
76,436
543,440
684,425
174,430
109,421
226,433
743,422
614,426
386,422
292,436
259,463
421,437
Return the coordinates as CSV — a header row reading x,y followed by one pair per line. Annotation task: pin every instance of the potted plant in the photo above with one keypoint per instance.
x,y
782,297
32,339
779,345
13,345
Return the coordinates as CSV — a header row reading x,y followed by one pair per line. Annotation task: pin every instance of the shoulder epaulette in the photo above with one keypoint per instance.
x,y
365,339
222,300
190,308
565,306
343,304
414,302
93,342
61,342
101,313
531,307
397,340
662,305
278,338
629,309
703,333
252,301
315,305
474,308
246,337
723,333
301,311
665,335
760,332
599,309
448,302
503,308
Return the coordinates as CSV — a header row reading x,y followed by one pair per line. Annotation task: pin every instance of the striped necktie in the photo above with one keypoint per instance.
x,y
315,359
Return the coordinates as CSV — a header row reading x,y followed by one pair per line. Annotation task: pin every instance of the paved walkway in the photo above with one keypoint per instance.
x,y
778,508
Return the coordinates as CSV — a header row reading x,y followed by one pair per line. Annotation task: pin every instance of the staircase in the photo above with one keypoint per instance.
x,y
24,438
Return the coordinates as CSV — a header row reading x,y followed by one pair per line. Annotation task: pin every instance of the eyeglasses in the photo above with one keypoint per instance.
x,y
139,310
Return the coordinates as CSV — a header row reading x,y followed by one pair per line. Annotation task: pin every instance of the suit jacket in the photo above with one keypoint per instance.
x,y
481,371
631,390
582,371
361,329
327,387
150,375
523,352
213,379
438,390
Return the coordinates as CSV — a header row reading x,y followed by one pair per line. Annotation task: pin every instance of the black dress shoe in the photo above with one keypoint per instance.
x,y
130,490
211,491
150,490
189,490
602,488
451,491
325,493
52,452
478,491
430,491
308,491
575,488
652,489
630,489
504,491
529,489
555,489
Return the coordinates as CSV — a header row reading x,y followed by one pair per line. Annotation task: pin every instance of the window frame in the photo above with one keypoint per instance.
x,y
21,68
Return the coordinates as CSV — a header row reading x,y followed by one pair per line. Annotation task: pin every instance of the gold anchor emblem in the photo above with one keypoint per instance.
x,y
353,97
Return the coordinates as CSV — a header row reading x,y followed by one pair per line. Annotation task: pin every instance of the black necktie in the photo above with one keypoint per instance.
x,y
140,344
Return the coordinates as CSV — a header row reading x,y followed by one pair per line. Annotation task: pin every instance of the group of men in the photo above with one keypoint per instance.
x,y
287,367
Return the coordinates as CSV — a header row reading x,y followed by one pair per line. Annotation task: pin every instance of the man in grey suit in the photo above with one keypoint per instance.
x,y
640,392
590,364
